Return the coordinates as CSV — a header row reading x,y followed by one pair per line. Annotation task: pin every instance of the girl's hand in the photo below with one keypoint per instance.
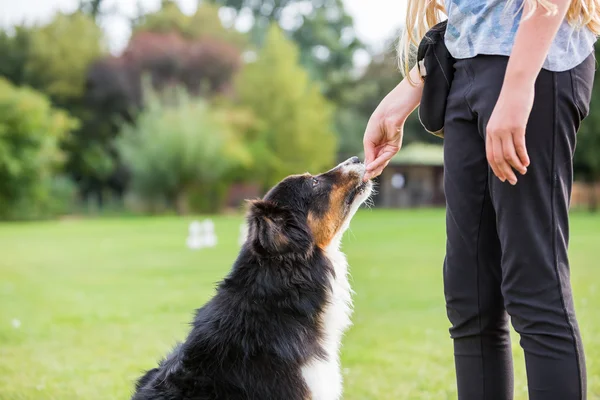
x,y
383,136
505,132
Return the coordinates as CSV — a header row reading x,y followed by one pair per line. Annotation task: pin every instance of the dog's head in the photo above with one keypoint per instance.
x,y
304,211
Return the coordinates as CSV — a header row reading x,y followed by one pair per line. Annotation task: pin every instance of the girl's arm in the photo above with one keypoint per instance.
x,y
383,136
505,136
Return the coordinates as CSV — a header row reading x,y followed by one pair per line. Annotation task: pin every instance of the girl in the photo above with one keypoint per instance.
x,y
522,85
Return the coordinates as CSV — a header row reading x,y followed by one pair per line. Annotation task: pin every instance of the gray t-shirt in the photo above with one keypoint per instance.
x,y
489,27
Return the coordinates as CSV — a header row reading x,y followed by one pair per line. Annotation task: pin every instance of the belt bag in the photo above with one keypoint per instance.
x,y
436,67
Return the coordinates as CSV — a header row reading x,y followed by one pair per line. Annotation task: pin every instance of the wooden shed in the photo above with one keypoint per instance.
x,y
413,178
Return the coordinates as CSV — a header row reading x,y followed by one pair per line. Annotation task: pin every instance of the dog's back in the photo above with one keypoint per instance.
x,y
244,344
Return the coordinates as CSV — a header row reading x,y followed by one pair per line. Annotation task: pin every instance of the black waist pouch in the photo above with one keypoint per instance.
x,y
436,67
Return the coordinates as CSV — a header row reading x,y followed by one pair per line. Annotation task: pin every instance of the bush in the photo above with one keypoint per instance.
x,y
54,196
30,157
178,147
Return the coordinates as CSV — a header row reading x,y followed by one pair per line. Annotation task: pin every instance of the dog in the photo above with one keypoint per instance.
x,y
274,328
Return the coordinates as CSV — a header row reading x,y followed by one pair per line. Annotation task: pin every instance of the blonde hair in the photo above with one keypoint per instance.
x,y
421,15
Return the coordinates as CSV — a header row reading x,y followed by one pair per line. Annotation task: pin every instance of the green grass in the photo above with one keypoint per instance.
x,y
101,300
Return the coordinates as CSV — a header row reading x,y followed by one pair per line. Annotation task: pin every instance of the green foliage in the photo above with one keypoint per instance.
x,y
93,8
249,131
205,22
327,43
61,52
14,49
30,132
179,146
167,19
54,59
296,119
350,127
264,12
322,29
196,52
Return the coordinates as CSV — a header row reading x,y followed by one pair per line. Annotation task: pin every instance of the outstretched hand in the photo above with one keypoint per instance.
x,y
383,136
382,141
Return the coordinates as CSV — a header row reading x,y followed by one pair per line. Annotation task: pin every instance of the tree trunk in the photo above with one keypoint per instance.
x,y
182,206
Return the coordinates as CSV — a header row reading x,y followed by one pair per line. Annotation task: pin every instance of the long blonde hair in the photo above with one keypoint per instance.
x,y
423,14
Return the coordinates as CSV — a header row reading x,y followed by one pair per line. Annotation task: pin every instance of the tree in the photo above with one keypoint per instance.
x,y
327,43
60,54
265,12
322,29
196,51
296,118
204,64
168,18
30,156
15,53
178,146
173,49
93,8
204,23
54,59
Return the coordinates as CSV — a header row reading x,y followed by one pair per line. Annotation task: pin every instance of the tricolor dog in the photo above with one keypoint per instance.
x,y
274,328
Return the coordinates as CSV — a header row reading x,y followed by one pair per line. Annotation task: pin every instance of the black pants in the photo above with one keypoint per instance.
x,y
507,245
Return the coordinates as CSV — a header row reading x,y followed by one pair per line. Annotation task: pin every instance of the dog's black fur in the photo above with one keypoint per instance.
x,y
251,339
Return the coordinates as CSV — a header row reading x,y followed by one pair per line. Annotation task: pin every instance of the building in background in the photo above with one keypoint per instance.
x,y
413,178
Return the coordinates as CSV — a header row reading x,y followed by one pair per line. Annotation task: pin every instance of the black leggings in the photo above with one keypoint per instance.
x,y
507,245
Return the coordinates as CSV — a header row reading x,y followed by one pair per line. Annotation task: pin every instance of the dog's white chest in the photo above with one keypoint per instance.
x,y
323,377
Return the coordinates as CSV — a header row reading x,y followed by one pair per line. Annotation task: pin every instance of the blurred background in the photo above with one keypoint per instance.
x,y
185,106
123,121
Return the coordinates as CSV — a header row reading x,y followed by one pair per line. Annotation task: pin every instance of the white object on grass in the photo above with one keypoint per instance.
x,y
210,238
201,235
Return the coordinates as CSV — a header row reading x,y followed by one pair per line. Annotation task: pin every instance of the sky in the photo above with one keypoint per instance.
x,y
375,20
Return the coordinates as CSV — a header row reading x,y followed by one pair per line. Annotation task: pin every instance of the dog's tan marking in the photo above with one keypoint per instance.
x,y
325,227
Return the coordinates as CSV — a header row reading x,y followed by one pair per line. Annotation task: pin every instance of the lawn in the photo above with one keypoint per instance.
x,y
98,301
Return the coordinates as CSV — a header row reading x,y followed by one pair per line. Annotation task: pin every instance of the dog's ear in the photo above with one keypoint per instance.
x,y
271,229
266,227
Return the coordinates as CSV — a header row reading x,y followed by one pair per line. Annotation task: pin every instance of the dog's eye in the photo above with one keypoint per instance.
x,y
315,182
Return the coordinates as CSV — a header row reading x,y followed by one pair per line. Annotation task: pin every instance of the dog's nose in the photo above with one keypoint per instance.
x,y
353,160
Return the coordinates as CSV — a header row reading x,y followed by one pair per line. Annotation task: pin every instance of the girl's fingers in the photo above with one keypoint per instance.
x,y
510,155
521,149
501,163
378,171
489,150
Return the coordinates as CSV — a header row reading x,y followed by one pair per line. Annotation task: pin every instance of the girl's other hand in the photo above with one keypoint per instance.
x,y
505,132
